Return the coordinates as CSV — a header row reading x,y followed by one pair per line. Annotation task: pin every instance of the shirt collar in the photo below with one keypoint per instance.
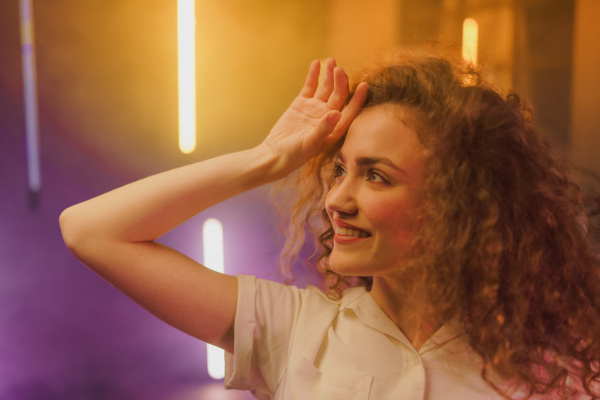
x,y
370,314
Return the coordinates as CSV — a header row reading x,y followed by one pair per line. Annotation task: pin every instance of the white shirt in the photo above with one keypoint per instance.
x,y
295,343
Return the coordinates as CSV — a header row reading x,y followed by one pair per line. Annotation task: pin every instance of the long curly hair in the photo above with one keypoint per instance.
x,y
506,240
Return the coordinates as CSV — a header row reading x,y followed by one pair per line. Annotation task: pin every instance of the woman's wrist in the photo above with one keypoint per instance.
x,y
266,166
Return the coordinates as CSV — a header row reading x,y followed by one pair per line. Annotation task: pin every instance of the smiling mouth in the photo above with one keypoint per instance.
x,y
352,232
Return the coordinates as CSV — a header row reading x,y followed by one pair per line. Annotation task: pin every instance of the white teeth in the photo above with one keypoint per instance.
x,y
352,232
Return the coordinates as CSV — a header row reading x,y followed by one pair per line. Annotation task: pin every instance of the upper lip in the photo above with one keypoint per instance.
x,y
341,224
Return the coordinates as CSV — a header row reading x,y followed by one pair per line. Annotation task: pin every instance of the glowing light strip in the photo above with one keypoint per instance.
x,y
212,244
186,40
469,42
30,96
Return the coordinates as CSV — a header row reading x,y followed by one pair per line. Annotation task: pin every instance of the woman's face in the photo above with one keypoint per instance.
x,y
376,192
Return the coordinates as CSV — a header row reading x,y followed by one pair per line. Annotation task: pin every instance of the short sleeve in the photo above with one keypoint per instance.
x,y
265,320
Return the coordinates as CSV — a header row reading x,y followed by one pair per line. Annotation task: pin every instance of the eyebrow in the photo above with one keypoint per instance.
x,y
370,161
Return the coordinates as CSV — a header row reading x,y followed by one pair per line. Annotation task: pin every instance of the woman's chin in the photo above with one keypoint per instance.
x,y
347,267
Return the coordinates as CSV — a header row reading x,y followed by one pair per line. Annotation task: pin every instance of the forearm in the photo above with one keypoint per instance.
x,y
147,209
114,235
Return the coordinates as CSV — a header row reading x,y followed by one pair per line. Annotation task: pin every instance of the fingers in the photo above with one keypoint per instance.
x,y
340,89
312,80
334,87
349,113
326,126
357,101
333,91
324,91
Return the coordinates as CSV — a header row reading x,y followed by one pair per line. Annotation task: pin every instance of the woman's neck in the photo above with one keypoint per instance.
x,y
407,307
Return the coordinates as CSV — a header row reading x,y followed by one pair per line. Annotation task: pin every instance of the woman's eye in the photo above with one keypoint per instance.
x,y
374,176
338,170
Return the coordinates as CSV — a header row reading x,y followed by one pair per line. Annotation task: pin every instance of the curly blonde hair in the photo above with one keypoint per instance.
x,y
506,240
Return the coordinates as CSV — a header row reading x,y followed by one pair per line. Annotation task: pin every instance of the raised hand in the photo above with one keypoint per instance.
x,y
315,119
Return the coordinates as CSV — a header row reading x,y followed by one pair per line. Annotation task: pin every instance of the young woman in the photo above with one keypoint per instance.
x,y
481,270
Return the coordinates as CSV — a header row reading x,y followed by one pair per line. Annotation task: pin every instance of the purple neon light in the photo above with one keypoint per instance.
x,y
30,96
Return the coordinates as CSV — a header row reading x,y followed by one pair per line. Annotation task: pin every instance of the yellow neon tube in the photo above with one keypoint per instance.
x,y
469,42
186,48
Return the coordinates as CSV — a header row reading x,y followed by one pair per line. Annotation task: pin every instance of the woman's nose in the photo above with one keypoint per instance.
x,y
341,198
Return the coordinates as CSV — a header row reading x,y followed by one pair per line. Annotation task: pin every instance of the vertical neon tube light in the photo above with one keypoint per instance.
x,y
186,49
469,42
30,97
212,245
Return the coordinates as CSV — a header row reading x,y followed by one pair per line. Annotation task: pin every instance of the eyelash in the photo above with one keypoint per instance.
x,y
338,170
371,173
